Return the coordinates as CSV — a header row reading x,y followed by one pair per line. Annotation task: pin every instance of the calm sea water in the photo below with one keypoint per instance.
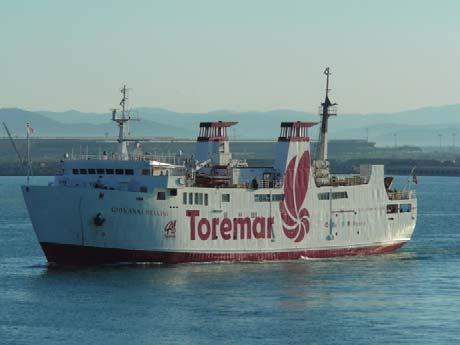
x,y
409,297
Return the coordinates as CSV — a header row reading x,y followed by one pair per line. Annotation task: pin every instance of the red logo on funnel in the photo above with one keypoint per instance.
x,y
295,218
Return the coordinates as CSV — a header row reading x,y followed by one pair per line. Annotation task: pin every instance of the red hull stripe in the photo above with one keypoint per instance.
x,y
83,255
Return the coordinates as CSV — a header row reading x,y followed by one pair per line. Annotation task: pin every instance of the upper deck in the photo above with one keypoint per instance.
x,y
212,166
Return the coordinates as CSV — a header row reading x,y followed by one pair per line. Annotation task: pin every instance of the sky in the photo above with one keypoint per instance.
x,y
199,56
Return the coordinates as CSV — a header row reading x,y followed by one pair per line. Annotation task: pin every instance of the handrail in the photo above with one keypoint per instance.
x,y
170,159
401,195
336,181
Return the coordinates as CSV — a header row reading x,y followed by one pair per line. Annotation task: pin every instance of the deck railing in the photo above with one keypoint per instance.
x,y
278,183
165,158
401,195
336,181
261,184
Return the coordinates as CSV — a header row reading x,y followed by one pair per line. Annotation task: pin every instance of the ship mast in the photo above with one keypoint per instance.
x,y
327,109
122,121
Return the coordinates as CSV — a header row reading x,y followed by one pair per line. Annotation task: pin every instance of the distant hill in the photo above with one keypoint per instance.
x,y
16,120
74,116
260,124
402,134
44,126
413,127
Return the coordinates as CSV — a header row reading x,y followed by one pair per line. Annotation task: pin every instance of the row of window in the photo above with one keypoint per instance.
x,y
393,208
266,197
162,195
103,171
335,195
202,198
195,198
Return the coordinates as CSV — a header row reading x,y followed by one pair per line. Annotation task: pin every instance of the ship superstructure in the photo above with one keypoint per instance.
x,y
133,207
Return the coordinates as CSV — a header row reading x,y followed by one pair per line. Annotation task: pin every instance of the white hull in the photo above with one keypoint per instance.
x,y
118,207
137,222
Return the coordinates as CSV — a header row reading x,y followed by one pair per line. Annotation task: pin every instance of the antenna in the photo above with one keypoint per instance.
x,y
122,121
29,131
327,73
327,109
13,143
125,116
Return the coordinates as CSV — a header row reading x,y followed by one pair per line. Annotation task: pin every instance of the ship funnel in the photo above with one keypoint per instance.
x,y
292,142
212,142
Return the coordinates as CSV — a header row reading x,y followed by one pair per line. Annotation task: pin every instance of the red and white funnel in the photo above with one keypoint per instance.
x,y
293,141
212,142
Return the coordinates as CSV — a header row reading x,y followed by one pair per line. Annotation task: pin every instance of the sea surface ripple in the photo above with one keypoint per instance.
x,y
409,297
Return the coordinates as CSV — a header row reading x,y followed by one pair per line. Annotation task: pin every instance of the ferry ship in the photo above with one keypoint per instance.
x,y
132,207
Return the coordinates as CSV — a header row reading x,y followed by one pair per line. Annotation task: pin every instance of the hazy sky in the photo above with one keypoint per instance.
x,y
239,55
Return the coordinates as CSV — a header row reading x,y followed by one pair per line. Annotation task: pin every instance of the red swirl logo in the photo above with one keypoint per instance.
x,y
296,219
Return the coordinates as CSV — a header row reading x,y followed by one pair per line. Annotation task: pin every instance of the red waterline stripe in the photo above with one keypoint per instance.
x,y
68,254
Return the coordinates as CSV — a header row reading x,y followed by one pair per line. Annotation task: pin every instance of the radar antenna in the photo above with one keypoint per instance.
x,y
122,121
327,109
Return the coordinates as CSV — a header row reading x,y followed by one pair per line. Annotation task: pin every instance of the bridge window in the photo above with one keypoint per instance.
x,y
100,171
109,171
198,198
405,208
393,208
335,195
323,196
225,197
277,197
118,171
145,172
91,171
339,195
206,199
184,198
129,172
75,171
262,197
161,196
190,198
83,171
